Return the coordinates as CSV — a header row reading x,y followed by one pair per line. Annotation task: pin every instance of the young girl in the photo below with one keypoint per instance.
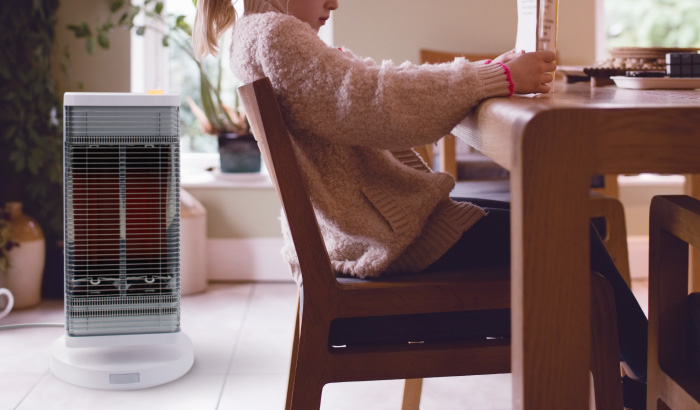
x,y
353,122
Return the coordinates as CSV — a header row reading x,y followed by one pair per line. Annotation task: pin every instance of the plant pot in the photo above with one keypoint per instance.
x,y
24,275
239,153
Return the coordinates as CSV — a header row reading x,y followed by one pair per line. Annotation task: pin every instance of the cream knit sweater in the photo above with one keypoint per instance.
x,y
353,123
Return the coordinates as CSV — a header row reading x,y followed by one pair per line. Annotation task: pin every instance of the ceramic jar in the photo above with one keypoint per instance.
x,y
24,275
193,245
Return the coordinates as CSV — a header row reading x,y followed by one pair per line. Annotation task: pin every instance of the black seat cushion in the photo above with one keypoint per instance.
x,y
420,328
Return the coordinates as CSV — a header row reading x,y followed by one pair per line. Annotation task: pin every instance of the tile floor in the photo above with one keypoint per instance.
x,y
242,337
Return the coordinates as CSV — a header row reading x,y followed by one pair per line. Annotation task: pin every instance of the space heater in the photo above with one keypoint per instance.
x,y
122,238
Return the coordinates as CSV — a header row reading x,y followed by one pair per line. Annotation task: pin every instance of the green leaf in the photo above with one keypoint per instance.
x,y
165,41
132,13
141,30
103,40
181,24
90,45
115,5
81,31
123,18
18,159
159,7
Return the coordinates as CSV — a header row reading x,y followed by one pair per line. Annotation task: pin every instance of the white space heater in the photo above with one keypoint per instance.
x,y
122,238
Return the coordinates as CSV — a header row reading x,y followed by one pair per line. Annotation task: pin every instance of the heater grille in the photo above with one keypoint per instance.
x,y
122,220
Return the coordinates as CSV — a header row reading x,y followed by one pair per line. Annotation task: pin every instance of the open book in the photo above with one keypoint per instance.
x,y
537,25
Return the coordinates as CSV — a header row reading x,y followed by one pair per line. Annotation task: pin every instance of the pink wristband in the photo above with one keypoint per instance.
x,y
488,61
511,87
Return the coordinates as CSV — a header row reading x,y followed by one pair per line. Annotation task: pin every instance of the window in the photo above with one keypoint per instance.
x,y
652,23
172,69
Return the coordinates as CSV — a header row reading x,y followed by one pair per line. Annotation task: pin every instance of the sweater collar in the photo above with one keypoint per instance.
x,y
264,6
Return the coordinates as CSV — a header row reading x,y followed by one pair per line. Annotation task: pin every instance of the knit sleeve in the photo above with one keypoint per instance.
x,y
334,95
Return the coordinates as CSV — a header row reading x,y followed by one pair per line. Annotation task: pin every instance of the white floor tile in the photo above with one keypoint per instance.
x,y
375,395
489,392
14,386
263,349
222,305
273,304
26,350
192,391
254,392
213,349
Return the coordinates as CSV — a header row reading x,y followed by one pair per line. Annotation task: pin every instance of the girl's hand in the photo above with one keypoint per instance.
x,y
531,72
508,55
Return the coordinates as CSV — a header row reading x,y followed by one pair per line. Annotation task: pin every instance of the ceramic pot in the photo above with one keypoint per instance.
x,y
24,275
239,153
193,245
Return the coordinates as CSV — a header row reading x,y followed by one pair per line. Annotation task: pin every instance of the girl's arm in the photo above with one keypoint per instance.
x,y
335,96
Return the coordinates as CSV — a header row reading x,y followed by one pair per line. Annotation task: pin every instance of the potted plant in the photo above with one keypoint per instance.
x,y
31,157
237,148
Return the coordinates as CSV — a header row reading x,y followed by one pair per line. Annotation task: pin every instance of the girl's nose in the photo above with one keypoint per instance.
x,y
332,4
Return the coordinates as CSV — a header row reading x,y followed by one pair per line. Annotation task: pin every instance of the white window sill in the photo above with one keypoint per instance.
x,y
202,171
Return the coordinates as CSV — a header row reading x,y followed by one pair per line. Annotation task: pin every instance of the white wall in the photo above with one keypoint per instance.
x,y
397,29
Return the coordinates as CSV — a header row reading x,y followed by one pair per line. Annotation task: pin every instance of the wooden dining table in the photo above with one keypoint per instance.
x,y
553,144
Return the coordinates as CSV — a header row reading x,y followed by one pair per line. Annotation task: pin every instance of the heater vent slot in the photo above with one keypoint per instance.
x,y
140,122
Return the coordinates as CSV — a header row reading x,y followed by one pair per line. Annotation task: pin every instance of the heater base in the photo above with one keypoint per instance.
x,y
122,362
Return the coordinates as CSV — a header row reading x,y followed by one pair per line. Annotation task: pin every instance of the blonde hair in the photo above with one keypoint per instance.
x,y
213,18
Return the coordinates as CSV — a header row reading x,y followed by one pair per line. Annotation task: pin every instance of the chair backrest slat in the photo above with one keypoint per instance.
x,y
273,138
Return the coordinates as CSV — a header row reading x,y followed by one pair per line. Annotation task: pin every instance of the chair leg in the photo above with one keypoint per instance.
x,y
605,352
293,364
412,389
311,371
616,239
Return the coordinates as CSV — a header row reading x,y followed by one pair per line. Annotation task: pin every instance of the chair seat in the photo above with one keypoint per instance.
x,y
426,327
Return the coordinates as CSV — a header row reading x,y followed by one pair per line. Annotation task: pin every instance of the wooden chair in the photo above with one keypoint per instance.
x,y
672,382
329,305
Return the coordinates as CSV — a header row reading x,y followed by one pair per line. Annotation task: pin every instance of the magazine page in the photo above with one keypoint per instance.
x,y
526,38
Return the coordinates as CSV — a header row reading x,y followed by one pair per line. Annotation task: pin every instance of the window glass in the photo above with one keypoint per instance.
x,y
184,80
653,23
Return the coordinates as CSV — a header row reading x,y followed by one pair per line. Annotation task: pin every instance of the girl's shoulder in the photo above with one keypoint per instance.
x,y
272,26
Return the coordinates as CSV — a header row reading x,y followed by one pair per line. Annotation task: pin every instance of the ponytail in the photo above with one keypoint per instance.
x,y
213,18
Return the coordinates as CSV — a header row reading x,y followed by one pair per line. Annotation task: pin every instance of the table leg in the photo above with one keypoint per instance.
x,y
550,267
692,188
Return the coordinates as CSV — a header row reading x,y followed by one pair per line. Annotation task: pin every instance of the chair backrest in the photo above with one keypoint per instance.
x,y
263,111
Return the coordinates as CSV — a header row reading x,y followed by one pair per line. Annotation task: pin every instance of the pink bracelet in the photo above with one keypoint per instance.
x,y
511,86
488,61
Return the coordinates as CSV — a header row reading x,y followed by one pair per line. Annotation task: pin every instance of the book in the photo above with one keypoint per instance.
x,y
537,25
